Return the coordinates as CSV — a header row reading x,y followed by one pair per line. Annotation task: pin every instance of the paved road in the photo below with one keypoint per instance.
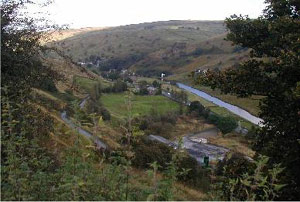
x,y
83,102
99,144
234,109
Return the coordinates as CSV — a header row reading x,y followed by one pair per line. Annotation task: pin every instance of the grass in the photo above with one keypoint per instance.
x,y
135,39
235,142
141,105
88,84
186,125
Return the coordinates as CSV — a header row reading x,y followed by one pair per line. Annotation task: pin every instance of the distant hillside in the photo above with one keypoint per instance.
x,y
174,47
181,59
136,39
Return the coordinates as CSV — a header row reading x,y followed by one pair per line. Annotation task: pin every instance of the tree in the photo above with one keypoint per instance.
x,y
22,65
26,167
274,71
119,86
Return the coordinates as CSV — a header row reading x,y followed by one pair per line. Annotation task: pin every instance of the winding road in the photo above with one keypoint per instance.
x,y
99,144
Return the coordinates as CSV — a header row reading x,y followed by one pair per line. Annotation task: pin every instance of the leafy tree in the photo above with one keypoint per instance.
x,y
27,169
274,71
22,66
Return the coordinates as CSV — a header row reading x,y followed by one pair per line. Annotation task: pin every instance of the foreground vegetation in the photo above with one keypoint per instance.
x,y
272,71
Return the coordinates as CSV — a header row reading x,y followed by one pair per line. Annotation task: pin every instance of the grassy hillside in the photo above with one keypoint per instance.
x,y
136,39
172,46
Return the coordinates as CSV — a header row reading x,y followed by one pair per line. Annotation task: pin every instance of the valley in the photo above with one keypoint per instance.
x,y
170,110
120,97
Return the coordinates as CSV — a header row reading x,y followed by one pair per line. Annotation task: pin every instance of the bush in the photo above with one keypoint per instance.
x,y
48,85
225,124
213,118
238,179
157,124
143,91
147,151
105,114
169,118
156,84
119,86
206,113
197,107
197,176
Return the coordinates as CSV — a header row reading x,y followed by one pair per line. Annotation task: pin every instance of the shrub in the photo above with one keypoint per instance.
x,y
197,107
156,84
238,179
213,118
119,86
147,151
105,114
48,85
197,176
143,91
225,124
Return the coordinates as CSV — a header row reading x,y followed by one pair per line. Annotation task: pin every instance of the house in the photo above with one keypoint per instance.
x,y
151,90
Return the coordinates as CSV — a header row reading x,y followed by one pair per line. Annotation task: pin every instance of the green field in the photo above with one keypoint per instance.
x,y
87,84
141,105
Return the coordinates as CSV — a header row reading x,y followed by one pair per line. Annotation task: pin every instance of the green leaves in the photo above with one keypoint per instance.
x,y
273,71
257,183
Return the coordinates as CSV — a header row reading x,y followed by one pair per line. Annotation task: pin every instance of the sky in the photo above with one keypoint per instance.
x,y
104,13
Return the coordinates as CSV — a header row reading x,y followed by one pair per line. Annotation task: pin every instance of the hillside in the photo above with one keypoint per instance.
x,y
135,40
174,47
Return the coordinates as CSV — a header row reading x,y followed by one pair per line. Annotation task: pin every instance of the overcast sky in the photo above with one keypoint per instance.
x,y
101,13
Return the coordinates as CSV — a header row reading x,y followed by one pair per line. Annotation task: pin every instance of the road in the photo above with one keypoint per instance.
x,y
99,144
234,109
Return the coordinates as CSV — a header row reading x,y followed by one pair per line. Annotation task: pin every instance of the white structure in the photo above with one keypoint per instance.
x,y
199,140
162,76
